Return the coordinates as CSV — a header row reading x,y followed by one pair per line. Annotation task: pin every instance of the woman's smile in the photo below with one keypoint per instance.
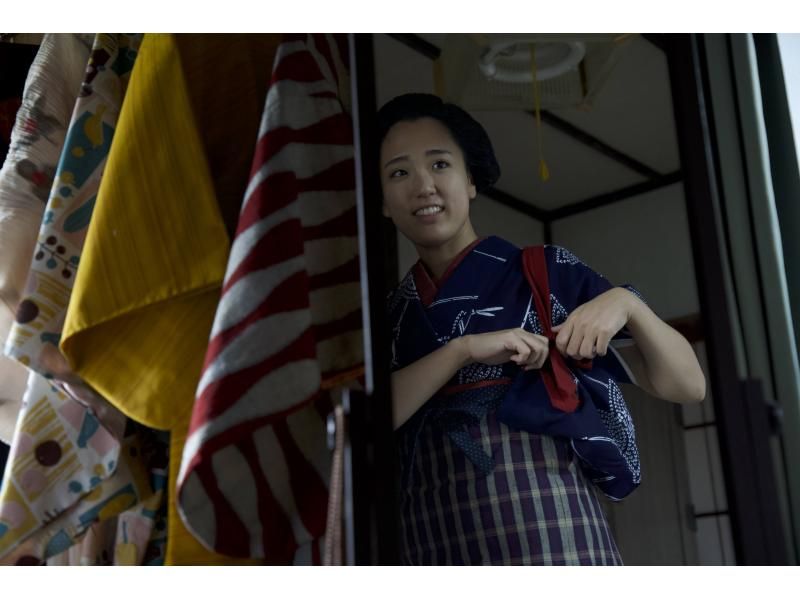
x,y
429,214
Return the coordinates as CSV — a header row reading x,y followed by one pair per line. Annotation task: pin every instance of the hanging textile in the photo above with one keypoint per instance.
x,y
15,62
13,377
119,522
34,337
62,452
154,258
255,472
52,85
76,415
96,547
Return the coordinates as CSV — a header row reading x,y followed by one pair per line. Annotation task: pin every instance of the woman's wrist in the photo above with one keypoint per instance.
x,y
635,307
460,347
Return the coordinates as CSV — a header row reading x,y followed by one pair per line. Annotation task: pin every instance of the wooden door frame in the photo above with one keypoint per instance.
x,y
741,412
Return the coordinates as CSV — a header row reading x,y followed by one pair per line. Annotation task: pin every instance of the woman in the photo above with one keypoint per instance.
x,y
503,422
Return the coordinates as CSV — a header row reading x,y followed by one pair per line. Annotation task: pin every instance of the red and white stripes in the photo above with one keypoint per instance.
x,y
255,471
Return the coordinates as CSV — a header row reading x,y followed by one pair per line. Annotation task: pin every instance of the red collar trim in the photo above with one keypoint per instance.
x,y
427,286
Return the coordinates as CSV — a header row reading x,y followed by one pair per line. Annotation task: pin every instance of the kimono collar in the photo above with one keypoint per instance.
x,y
427,286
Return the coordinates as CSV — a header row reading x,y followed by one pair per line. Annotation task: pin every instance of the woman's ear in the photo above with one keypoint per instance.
x,y
472,190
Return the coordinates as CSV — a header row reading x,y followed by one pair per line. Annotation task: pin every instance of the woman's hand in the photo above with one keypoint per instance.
x,y
416,383
527,350
585,334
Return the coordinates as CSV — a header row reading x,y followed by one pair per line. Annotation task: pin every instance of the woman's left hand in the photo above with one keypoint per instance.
x,y
585,334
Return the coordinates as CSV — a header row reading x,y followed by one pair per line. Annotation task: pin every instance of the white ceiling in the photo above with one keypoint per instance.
x,y
632,114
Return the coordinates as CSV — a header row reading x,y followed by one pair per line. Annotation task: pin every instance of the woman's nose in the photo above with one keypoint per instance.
x,y
425,184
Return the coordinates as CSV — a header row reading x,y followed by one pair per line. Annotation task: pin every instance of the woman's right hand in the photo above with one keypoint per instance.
x,y
526,349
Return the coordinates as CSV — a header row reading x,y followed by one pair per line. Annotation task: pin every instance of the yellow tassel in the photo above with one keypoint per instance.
x,y
544,171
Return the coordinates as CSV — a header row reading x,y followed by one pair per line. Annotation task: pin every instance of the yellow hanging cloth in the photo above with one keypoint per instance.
x,y
155,255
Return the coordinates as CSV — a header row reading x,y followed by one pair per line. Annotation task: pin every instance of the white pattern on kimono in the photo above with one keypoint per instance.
x,y
461,324
478,372
565,256
619,424
558,313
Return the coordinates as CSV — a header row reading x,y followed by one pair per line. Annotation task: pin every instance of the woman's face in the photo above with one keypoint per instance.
x,y
426,187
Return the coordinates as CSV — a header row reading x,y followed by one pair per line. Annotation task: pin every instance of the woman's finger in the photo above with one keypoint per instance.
x,y
573,348
520,349
603,339
543,357
537,361
539,346
563,337
531,339
537,343
588,347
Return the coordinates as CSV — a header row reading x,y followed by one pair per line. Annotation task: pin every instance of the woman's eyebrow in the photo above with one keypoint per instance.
x,y
430,152
397,159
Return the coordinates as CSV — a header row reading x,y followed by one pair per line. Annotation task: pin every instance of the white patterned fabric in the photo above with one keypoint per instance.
x,y
52,85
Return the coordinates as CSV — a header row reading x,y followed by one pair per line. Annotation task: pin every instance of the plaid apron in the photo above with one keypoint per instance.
x,y
535,508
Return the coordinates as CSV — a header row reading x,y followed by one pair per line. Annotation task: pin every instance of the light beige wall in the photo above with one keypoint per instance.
x,y
492,218
643,241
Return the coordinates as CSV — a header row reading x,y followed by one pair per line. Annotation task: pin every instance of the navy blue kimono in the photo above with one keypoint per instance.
x,y
488,290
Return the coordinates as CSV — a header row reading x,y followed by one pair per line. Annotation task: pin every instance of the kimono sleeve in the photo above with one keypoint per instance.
x,y
574,283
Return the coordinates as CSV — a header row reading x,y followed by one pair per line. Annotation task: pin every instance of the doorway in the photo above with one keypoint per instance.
x,y
615,198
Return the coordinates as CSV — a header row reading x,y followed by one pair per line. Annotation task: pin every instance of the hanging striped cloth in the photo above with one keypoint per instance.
x,y
256,468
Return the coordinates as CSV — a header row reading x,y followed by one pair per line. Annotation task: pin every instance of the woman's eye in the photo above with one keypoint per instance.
x,y
397,173
439,164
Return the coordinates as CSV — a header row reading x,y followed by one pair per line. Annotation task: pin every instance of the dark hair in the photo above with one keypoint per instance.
x,y
467,132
